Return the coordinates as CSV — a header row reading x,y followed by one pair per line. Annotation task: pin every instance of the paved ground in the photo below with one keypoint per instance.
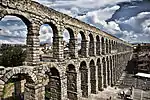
x,y
126,81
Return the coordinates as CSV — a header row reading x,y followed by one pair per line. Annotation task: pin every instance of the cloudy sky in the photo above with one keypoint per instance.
x,y
126,19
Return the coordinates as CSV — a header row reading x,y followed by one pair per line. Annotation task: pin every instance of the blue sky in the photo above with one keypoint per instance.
x,y
126,19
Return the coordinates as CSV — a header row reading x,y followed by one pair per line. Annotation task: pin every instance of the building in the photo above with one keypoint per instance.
x,y
142,52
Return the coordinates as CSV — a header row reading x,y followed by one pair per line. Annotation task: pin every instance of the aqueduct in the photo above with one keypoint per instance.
x,y
99,63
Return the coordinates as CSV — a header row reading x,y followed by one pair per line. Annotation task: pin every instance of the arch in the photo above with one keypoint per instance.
x,y
93,76
104,72
110,46
25,19
46,69
99,74
19,76
55,38
81,44
97,45
107,46
103,45
113,65
71,33
91,45
83,65
82,35
54,28
46,39
108,70
10,26
28,20
111,70
20,70
53,88
69,42
69,63
112,43
71,82
84,78
116,66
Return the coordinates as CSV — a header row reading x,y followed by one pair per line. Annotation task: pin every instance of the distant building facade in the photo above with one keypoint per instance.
x,y
142,56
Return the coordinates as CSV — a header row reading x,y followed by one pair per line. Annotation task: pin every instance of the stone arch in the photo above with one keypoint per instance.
x,y
107,46
113,64
57,37
20,70
103,45
97,45
23,16
71,33
69,46
100,79
54,27
71,62
83,44
53,88
93,76
115,45
19,77
104,72
108,70
115,68
110,46
46,68
28,27
71,82
84,78
111,70
91,45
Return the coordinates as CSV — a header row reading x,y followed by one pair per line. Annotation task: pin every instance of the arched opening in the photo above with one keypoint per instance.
x,y
99,75
103,45
91,45
113,59
84,79
15,87
115,46
112,42
69,43
108,71
52,40
104,73
13,34
53,88
46,42
93,76
107,47
97,45
111,71
71,82
81,44
115,67
110,46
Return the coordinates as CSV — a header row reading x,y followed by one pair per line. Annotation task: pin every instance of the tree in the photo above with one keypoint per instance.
x,y
13,56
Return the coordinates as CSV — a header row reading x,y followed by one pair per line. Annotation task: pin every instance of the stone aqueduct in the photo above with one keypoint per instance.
x,y
99,64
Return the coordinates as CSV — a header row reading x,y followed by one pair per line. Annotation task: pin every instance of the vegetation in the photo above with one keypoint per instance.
x,y
12,56
8,89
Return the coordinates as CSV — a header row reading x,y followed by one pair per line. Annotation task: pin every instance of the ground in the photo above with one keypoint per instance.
x,y
126,81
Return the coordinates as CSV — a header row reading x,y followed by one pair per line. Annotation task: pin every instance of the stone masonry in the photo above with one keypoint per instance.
x,y
100,63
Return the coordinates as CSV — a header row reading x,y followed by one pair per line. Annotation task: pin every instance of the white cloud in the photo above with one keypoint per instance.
x,y
94,12
46,34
